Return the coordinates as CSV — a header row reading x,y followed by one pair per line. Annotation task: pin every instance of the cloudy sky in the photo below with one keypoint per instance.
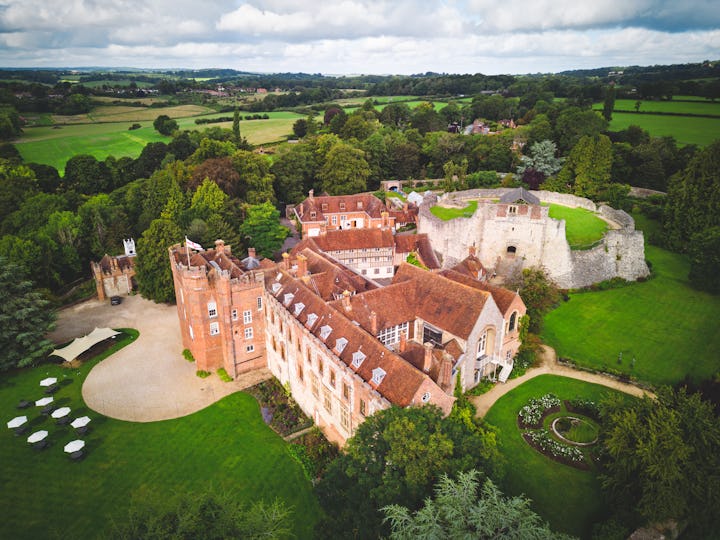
x,y
358,36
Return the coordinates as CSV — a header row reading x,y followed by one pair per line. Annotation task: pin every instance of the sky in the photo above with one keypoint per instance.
x,y
359,36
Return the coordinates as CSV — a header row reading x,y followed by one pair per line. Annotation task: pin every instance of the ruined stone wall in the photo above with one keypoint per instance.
x,y
537,241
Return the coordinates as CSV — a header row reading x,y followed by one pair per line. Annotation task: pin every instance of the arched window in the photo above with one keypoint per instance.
x,y
511,250
513,321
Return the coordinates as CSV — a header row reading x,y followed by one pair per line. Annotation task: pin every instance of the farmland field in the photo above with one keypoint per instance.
x,y
685,129
678,107
128,113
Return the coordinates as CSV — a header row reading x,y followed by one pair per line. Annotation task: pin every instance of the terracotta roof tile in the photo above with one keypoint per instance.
x,y
503,297
362,202
354,239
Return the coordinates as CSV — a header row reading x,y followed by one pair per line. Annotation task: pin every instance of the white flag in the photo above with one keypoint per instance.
x,y
191,244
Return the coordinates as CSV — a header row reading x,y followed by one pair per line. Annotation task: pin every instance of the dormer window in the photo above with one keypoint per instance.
x,y
359,205
325,332
313,215
278,277
276,288
378,374
298,308
340,344
342,206
288,298
357,359
324,207
311,320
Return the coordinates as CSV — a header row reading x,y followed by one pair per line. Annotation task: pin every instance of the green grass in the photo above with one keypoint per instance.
x,y
670,329
568,498
685,129
678,107
45,495
581,431
582,227
452,213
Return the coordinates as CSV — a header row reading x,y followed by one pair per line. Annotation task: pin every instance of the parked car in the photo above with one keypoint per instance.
x,y
115,300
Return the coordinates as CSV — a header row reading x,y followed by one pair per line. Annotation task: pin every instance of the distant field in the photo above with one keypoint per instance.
x,y
128,113
679,107
685,129
143,100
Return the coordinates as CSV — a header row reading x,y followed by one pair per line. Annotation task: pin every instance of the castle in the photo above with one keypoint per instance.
x,y
344,345
511,230
115,276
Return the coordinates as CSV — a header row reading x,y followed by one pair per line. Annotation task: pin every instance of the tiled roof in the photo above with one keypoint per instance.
x,y
401,381
419,243
519,194
362,202
470,266
354,239
503,297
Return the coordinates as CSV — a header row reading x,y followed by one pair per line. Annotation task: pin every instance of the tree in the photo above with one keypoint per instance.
x,y
205,516
150,159
219,170
609,103
300,128
574,123
540,164
294,169
461,509
345,170
705,260
425,118
256,181
103,225
165,125
588,168
87,175
152,265
25,319
662,459
236,126
538,294
262,230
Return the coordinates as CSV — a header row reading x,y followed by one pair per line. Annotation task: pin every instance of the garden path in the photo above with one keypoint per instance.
x,y
148,380
550,365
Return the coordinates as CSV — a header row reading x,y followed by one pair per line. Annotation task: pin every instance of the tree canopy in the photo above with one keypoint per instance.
x,y
152,266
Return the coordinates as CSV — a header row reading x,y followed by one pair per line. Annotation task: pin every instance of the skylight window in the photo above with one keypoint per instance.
x,y
288,298
378,374
358,358
340,344
298,308
325,332
311,320
276,288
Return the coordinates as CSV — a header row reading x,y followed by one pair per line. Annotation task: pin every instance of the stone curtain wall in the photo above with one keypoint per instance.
x,y
541,242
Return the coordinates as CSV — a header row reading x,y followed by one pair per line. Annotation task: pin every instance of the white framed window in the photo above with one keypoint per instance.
x,y
311,320
212,309
249,333
425,397
214,328
327,400
234,314
334,220
247,316
340,344
512,209
344,418
482,344
325,332
513,321
249,348
357,359
378,374
259,302
288,298
298,308
391,336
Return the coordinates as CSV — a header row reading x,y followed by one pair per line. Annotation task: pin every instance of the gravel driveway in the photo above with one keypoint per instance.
x,y
149,379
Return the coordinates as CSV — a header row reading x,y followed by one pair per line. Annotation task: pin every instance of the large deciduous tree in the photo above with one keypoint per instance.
x,y
87,175
538,294
462,509
262,230
165,125
152,265
25,318
705,260
345,170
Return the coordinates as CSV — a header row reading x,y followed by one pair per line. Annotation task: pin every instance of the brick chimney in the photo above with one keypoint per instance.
x,y
385,221
219,246
251,253
373,323
286,261
302,265
445,375
311,195
346,300
427,361
472,251
403,342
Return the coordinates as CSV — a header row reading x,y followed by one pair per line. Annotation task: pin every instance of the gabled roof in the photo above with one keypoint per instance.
x,y
326,204
470,266
343,240
419,243
519,195
503,297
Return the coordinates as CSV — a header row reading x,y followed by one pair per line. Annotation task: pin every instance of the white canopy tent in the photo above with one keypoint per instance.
x,y
82,344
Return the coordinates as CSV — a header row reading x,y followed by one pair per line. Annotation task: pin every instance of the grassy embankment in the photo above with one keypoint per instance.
x,y
582,227
447,214
569,499
227,446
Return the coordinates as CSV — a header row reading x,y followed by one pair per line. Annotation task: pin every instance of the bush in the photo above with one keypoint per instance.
x,y
532,413
224,375
188,355
134,126
202,373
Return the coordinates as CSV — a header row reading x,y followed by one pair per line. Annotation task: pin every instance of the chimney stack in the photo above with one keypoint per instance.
x,y
251,253
219,246
373,323
472,251
403,342
302,265
346,300
311,195
384,216
427,361
286,260
445,375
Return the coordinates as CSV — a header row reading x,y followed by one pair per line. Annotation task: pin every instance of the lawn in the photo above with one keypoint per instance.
x,y
685,129
447,214
582,227
226,446
678,107
669,329
568,498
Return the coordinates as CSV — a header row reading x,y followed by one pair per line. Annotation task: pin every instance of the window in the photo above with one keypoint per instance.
x,y
298,308
513,321
259,302
332,378
327,400
340,344
390,336
249,333
482,344
214,328
313,215
192,335
358,358
512,209
247,316
212,309
342,206
288,298
344,418
377,270
334,220
425,397
346,392
363,408
324,207
275,288
234,314
311,320
314,385
359,205
300,371
325,331
378,374
432,335
508,356
321,366
249,348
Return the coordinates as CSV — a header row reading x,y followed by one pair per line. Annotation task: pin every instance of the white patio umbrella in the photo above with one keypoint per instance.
x,y
48,382
74,446
17,422
62,411
80,422
44,401
37,436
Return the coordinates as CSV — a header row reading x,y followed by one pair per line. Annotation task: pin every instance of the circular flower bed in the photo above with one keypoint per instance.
x,y
565,437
